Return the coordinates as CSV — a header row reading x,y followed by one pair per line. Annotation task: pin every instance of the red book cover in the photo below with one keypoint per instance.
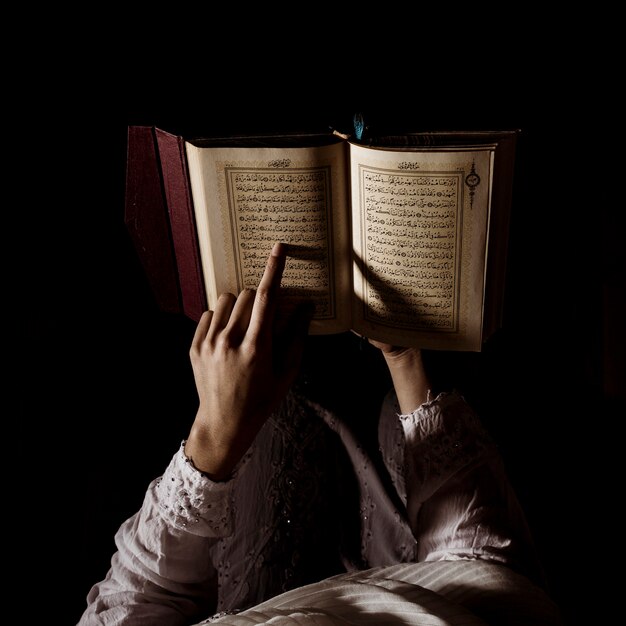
x,y
147,220
171,149
159,217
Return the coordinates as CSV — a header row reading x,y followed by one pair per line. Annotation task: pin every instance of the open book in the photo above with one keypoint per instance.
x,y
402,239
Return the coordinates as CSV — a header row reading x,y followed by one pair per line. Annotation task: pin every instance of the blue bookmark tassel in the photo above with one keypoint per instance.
x,y
359,125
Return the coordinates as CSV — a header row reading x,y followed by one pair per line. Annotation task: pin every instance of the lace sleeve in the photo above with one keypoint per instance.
x,y
187,499
443,436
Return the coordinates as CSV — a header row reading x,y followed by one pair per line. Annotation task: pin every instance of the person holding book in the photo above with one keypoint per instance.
x,y
273,508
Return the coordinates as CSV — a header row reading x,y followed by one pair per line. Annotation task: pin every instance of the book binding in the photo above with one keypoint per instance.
x,y
159,217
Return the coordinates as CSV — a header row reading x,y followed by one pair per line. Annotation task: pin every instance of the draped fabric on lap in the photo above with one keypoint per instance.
x,y
436,593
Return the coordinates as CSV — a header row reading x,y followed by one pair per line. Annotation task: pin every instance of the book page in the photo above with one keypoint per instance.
x,y
246,199
420,226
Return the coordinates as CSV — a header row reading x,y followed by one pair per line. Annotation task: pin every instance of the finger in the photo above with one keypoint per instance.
x,y
221,315
240,315
202,328
265,300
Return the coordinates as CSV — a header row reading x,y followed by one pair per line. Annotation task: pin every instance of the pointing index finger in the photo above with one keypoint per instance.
x,y
265,299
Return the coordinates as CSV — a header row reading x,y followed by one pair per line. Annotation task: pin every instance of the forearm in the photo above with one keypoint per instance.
x,y
162,570
460,503
142,588
217,461
409,378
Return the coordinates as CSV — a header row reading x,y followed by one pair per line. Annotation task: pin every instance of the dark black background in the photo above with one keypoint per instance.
x,y
107,391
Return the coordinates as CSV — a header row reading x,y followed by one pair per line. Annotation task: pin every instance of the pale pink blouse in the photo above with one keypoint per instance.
x,y
312,501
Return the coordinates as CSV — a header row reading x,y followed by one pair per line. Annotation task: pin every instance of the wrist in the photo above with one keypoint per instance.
x,y
207,454
409,378
403,358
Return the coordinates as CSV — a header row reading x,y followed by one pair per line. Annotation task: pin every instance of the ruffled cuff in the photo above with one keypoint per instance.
x,y
442,437
188,500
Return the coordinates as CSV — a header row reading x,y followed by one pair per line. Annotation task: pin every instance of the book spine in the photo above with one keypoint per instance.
x,y
146,218
182,222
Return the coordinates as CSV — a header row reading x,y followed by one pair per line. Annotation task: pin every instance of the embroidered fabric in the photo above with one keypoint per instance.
x,y
189,500
285,511
316,502
318,494
443,436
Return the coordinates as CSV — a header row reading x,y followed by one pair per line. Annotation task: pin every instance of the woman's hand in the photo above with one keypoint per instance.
x,y
244,359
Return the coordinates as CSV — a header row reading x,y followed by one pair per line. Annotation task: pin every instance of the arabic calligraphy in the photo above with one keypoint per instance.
x,y
292,206
411,246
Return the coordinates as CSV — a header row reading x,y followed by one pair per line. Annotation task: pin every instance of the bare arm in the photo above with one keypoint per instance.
x,y
407,373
